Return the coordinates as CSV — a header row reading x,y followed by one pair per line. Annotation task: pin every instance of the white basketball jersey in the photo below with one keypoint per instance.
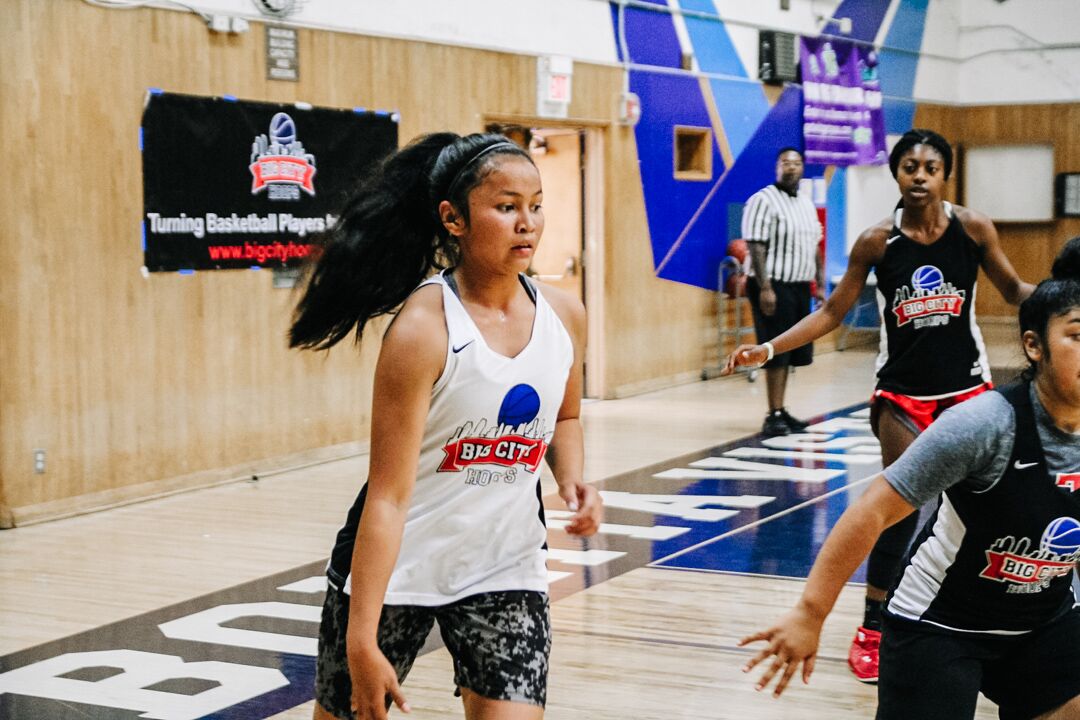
x,y
475,523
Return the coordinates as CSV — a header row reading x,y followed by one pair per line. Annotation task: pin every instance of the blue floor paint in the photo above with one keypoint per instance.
x,y
786,547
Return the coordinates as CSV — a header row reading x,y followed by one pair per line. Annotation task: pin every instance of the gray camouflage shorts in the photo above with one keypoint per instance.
x,y
500,643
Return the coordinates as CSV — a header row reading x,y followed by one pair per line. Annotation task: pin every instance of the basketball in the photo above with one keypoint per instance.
x,y
282,129
1062,536
735,273
927,278
521,405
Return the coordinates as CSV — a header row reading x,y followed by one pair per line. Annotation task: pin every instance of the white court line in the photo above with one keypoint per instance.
x,y
783,473
745,452
314,584
762,521
558,519
588,558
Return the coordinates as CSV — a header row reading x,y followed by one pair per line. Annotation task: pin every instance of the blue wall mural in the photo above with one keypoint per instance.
x,y
740,101
898,66
690,222
672,100
702,246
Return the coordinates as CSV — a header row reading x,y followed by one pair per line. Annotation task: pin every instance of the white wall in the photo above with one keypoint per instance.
x,y
953,69
938,71
743,20
1050,75
581,29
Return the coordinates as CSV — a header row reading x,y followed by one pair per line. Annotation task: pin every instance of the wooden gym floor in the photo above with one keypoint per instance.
x,y
646,615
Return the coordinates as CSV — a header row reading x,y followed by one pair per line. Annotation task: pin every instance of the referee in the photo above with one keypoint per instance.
x,y
782,231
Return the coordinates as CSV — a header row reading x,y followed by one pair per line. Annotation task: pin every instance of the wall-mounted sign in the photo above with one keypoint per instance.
x,y
843,122
554,83
238,184
282,54
629,109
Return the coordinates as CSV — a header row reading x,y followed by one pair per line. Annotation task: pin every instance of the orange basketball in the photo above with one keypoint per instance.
x,y
735,281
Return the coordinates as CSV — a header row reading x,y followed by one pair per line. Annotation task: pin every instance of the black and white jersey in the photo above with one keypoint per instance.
x,y
998,559
789,225
475,521
930,346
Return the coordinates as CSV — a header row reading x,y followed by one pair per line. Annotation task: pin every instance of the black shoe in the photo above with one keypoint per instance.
x,y
775,424
794,424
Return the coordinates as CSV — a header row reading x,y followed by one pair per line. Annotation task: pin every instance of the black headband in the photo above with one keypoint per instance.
x,y
505,144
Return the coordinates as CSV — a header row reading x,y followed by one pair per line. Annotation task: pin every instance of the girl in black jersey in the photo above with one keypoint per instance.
x,y
926,257
985,600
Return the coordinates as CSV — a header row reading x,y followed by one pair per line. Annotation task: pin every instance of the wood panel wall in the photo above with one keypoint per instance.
x,y
1031,247
134,384
652,327
137,385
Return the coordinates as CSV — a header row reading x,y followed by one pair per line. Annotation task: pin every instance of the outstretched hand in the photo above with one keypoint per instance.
x,y
584,501
745,355
792,641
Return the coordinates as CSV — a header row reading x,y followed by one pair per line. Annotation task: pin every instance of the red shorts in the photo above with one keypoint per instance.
x,y
921,413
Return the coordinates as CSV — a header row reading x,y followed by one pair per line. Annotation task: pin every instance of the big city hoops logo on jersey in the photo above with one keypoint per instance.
x,y
929,301
1069,481
518,438
1013,560
279,163
505,451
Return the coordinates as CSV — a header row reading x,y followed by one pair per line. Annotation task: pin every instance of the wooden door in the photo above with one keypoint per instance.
x,y
559,157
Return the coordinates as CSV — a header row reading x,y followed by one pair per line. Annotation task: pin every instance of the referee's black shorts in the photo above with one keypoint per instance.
x,y
792,305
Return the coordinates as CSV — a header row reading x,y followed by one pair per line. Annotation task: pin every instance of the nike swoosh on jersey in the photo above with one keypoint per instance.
x,y
1024,466
459,349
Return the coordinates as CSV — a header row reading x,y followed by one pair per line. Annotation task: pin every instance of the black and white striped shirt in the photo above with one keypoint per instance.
x,y
789,226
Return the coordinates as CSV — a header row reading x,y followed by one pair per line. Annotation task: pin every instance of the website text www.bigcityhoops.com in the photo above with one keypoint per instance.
x,y
261,253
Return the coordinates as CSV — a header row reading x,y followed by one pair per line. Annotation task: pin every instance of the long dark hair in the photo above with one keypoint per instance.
x,y
1054,296
389,236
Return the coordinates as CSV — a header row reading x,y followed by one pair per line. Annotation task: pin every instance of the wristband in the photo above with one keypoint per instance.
x,y
771,349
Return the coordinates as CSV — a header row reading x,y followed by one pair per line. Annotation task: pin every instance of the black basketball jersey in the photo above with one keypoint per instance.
x,y
999,560
930,346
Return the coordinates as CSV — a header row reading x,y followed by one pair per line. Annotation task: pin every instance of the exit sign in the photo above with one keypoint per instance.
x,y
559,88
554,86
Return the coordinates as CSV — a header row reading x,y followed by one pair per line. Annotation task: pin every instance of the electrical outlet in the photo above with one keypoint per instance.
x,y
39,462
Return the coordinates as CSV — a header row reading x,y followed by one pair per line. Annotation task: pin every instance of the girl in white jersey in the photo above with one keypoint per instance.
x,y
479,379
985,601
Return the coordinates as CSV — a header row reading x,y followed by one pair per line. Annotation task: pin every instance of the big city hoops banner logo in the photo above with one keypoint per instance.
x,y
217,171
1030,570
929,301
279,162
518,438
505,451
1069,481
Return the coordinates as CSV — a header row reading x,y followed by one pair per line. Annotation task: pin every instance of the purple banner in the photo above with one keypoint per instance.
x,y
842,119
